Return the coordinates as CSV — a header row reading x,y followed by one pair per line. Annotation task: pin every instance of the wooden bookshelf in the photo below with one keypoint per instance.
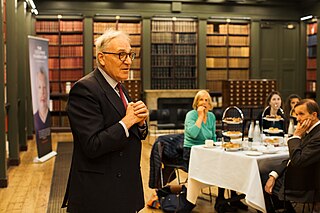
x,y
311,68
65,60
132,26
174,53
227,52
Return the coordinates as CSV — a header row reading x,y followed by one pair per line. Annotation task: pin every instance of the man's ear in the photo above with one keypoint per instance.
x,y
314,116
100,58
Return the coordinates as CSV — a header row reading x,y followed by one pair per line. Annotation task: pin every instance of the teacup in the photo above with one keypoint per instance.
x,y
209,143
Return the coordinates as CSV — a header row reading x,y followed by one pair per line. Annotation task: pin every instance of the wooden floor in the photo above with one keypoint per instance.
x,y
29,183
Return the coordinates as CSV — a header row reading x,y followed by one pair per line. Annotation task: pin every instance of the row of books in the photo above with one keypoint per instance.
x,y
312,51
130,28
59,87
242,29
227,74
57,105
217,75
180,72
216,40
71,51
312,40
135,63
168,49
47,26
53,39
71,26
101,27
223,62
68,75
173,38
173,84
65,63
228,40
311,86
54,51
174,26
311,75
312,28
136,50
72,39
231,51
55,87
170,60
311,63
60,121
56,26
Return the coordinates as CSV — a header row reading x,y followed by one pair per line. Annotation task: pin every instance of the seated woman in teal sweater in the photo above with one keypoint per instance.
x,y
199,125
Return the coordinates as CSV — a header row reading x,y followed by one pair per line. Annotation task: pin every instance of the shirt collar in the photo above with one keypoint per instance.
x,y
110,80
311,128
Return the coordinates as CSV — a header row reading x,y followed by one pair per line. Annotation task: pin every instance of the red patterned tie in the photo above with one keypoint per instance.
x,y
122,95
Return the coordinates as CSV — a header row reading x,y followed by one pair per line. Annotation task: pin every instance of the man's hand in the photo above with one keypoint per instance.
x,y
269,185
136,113
302,128
141,111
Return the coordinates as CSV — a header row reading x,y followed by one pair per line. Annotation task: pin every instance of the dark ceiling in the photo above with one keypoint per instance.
x,y
299,4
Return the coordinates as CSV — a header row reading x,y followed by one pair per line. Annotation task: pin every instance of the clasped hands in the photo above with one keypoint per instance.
x,y
137,112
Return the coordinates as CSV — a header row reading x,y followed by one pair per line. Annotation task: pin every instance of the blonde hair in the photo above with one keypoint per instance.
x,y
103,41
200,94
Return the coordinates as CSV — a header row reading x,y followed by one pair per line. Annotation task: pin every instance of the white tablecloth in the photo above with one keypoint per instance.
x,y
230,170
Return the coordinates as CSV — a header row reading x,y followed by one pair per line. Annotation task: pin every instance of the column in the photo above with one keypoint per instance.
x,y
12,82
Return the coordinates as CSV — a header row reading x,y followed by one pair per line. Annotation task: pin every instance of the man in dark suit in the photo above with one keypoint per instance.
x,y
107,130
304,149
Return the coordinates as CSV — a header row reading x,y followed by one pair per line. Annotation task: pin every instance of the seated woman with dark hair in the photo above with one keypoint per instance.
x,y
272,118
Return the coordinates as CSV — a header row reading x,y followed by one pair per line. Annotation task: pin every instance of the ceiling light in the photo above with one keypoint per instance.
x,y
306,17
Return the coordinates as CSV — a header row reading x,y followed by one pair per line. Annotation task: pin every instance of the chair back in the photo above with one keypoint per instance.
x,y
301,184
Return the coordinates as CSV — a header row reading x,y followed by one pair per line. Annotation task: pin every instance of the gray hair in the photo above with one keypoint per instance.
x,y
103,41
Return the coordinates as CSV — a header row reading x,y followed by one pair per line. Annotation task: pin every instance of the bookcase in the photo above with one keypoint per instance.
x,y
174,53
65,61
311,69
228,51
132,26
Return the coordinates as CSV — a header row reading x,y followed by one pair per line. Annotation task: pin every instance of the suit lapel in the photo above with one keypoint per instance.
x,y
314,131
113,97
109,92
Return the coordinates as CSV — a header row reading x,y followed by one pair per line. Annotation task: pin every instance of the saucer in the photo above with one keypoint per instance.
x,y
253,153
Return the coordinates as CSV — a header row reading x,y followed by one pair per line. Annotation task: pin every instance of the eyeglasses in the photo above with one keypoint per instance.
x,y
123,55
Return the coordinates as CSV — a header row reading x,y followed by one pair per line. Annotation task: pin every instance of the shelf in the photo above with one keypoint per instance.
x,y
65,60
227,52
311,59
174,53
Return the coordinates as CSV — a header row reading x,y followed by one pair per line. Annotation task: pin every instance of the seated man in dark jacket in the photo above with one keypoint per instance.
x,y
304,151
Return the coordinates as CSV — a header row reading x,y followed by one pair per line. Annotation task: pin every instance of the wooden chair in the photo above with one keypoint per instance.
x,y
301,185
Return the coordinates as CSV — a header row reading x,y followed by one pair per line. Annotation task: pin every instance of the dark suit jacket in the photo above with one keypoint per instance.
x,y
304,166
105,171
